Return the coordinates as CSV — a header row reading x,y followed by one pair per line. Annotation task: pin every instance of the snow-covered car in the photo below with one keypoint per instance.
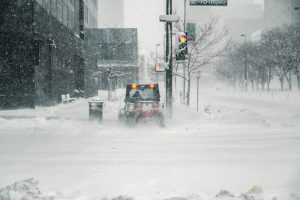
x,y
142,104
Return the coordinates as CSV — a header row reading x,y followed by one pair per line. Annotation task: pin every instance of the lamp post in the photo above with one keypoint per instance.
x,y
245,58
184,17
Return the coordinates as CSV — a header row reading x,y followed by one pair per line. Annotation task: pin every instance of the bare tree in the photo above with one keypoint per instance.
x,y
210,43
278,52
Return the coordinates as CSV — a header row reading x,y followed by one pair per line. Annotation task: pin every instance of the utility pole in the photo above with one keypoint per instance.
x,y
169,18
245,58
169,71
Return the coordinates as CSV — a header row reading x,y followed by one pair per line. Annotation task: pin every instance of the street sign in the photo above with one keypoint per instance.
x,y
208,2
191,30
169,18
161,67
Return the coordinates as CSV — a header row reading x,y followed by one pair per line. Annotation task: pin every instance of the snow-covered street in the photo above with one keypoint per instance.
x,y
234,143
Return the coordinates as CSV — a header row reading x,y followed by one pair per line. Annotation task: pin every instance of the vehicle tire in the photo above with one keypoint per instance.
x,y
161,120
129,122
132,120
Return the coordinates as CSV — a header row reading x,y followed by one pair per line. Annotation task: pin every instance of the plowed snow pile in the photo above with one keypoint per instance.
x,y
23,190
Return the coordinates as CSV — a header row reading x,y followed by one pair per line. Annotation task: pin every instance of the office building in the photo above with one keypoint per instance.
x,y
117,55
42,51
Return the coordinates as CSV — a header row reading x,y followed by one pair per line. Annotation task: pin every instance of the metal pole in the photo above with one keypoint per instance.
x,y
81,19
198,93
171,64
169,74
245,58
246,78
184,17
184,71
184,74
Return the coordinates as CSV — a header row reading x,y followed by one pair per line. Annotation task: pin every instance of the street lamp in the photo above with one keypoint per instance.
x,y
245,58
184,17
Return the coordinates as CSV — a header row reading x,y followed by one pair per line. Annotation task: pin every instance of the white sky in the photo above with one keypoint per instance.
x,y
143,15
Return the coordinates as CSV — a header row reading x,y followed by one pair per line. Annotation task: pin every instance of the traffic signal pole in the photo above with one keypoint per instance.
x,y
183,67
169,71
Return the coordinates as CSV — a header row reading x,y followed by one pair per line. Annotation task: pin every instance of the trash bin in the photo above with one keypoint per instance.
x,y
95,110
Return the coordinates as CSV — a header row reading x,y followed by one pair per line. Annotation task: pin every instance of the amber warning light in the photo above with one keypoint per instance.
x,y
152,86
182,38
133,86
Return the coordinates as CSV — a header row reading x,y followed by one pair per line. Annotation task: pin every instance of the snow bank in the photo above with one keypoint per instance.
x,y
23,190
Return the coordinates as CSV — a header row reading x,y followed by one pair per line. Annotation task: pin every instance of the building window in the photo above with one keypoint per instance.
x,y
90,19
65,14
46,5
59,10
4,68
72,2
40,2
86,14
53,8
70,19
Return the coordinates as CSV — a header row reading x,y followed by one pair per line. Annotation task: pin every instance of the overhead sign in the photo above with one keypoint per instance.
x,y
208,2
169,18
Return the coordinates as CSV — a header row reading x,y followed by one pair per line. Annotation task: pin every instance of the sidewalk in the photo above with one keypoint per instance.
x,y
74,110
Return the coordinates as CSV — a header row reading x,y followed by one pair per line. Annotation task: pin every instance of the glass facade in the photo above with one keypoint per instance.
x,y
91,13
65,11
118,44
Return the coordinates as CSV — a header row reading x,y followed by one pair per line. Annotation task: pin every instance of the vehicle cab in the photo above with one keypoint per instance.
x,y
142,103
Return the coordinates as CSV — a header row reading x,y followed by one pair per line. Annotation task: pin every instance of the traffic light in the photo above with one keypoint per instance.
x,y
181,46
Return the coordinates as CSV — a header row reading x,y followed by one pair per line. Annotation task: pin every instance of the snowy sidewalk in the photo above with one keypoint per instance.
x,y
51,112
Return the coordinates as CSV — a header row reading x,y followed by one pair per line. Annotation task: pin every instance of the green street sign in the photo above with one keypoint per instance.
x,y
208,2
191,30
